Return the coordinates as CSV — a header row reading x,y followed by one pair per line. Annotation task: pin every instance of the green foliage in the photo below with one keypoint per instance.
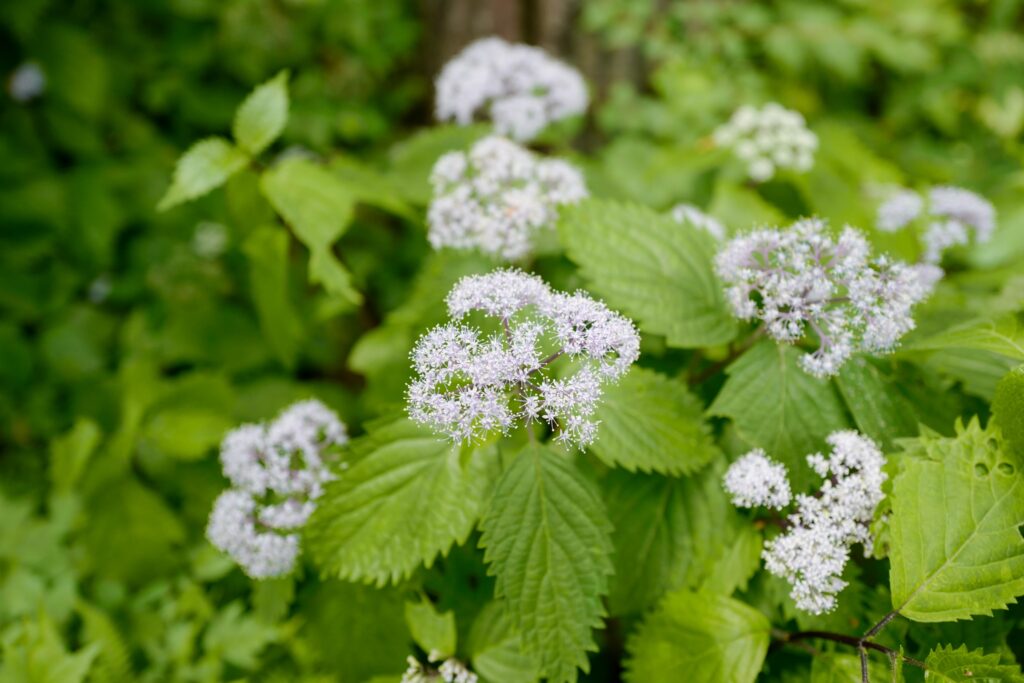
x,y
1008,409
776,406
650,268
653,424
404,485
960,664
496,651
205,166
698,637
675,533
432,631
262,116
957,509
547,540
844,668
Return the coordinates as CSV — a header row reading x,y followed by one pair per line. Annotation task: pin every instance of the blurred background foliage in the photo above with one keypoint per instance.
x,y
131,340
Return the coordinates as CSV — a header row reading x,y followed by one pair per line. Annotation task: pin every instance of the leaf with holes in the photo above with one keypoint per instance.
x,y
957,509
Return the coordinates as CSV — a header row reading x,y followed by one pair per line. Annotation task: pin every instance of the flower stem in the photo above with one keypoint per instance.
x,y
862,644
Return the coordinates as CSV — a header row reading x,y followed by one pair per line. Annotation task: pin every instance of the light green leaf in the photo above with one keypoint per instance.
x,y
830,667
653,269
547,541
408,497
1008,409
1003,335
318,207
777,406
205,166
186,433
957,508
741,208
412,159
652,423
271,598
34,653
878,409
698,638
675,533
946,665
496,649
69,453
434,632
238,637
267,251
263,115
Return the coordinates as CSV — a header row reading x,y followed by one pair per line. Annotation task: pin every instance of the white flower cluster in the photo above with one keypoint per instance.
x,y
496,197
470,382
767,139
950,212
521,87
27,82
688,213
755,480
802,278
814,548
450,671
277,472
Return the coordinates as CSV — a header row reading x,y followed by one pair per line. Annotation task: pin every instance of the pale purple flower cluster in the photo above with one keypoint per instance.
x,y
277,472
470,382
450,671
688,213
802,279
814,548
767,139
496,197
949,213
522,88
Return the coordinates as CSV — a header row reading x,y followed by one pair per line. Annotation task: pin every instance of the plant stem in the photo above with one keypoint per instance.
x,y
862,644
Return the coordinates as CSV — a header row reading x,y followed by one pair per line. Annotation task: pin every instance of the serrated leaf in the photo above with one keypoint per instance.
x,y
238,636
698,638
262,115
878,409
777,406
546,536
433,631
496,649
1003,335
830,667
318,207
652,423
675,533
957,509
1008,409
205,166
648,266
267,252
956,666
407,498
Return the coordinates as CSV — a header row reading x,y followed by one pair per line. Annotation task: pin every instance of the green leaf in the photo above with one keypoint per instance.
x,y
34,653
413,159
957,508
267,251
652,423
776,406
263,115
238,636
698,638
546,536
1008,409
496,649
1003,335
70,453
878,409
830,667
408,497
318,207
946,664
675,533
432,631
651,268
205,166
186,433
272,598
114,662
